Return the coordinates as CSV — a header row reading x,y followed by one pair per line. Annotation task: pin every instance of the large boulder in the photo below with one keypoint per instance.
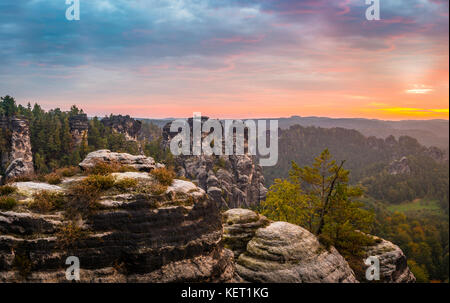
x,y
139,162
393,264
287,253
18,168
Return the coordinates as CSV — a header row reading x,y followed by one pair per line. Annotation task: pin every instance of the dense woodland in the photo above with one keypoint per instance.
x,y
364,196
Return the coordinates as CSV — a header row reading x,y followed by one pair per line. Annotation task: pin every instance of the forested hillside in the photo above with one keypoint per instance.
x,y
51,140
405,184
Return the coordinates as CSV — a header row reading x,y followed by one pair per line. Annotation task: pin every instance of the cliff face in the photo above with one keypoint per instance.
x,y
124,125
79,126
132,237
19,160
232,181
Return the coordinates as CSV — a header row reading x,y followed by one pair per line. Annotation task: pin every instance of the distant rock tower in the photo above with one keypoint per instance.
x,y
18,161
79,126
124,125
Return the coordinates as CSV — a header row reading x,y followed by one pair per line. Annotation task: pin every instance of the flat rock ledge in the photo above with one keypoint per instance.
x,y
139,162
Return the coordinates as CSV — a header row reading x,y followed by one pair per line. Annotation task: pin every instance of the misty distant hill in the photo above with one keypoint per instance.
x,y
427,132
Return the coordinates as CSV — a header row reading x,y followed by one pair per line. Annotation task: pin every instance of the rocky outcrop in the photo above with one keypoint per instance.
x,y
287,253
268,251
79,126
239,227
130,237
393,265
140,162
234,181
399,167
19,160
124,125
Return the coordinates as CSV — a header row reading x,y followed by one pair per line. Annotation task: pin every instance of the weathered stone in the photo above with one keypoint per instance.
x,y
283,252
124,125
393,264
140,162
18,168
399,167
19,158
29,188
239,178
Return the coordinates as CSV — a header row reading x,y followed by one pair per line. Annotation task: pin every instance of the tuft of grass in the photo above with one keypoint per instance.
x,y
53,178
7,190
163,175
7,203
102,182
126,183
69,171
45,201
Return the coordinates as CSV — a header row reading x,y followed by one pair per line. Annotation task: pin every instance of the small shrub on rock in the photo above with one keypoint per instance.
x,y
7,190
68,171
163,175
45,201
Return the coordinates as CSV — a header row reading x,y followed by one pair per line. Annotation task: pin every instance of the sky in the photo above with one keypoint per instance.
x,y
229,58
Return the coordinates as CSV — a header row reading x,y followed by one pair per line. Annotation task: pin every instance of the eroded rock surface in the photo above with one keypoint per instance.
x,y
124,125
287,253
239,227
130,237
232,181
393,264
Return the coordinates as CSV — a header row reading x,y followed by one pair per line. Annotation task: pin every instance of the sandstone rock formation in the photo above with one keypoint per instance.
x,y
141,163
232,181
393,265
19,160
399,167
124,125
79,126
130,237
239,227
281,252
287,253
